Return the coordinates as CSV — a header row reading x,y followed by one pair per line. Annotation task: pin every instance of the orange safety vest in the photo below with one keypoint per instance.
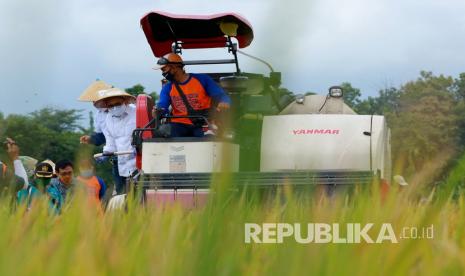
x,y
93,186
195,94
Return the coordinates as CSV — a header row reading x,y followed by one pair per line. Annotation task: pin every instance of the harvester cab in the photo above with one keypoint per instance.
x,y
274,137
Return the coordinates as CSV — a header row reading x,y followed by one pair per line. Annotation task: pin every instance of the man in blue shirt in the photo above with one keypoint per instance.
x,y
62,186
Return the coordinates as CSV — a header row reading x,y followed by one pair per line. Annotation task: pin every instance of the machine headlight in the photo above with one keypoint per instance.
x,y
335,92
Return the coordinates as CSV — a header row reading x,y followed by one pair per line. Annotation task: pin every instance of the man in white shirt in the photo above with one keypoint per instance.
x,y
97,138
119,125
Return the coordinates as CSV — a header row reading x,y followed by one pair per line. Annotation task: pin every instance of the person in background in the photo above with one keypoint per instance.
x,y
63,186
95,185
43,174
12,180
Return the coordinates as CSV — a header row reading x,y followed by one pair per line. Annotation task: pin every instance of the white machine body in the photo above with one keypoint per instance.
x,y
189,157
324,142
317,104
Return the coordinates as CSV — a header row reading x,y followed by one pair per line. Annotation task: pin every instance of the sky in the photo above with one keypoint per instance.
x,y
51,50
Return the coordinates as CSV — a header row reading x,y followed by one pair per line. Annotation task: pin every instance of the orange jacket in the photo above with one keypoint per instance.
x,y
199,89
93,185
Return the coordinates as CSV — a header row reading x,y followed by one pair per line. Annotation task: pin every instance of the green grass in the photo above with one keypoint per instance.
x,y
210,240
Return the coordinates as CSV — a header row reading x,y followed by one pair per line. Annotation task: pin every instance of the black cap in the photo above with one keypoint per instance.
x,y
44,170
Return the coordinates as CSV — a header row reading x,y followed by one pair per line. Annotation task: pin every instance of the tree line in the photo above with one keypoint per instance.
x,y
426,117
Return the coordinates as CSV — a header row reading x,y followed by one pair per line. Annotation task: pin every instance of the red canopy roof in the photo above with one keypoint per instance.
x,y
193,31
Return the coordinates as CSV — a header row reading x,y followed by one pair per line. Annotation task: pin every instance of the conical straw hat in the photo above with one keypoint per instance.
x,y
112,92
91,92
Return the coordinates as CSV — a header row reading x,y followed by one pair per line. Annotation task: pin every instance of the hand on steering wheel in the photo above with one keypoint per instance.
x,y
222,106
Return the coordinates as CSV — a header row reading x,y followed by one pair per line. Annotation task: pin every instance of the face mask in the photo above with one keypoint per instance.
x,y
117,111
42,182
168,76
87,173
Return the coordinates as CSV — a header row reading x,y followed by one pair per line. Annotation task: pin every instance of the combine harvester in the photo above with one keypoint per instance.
x,y
274,137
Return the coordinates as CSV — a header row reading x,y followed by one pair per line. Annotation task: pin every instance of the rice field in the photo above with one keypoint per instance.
x,y
211,240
